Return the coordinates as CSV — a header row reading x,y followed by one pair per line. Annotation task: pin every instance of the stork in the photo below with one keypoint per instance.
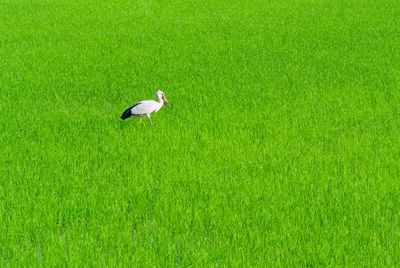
x,y
146,107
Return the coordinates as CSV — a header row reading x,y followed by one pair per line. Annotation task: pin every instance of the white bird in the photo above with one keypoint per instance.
x,y
146,107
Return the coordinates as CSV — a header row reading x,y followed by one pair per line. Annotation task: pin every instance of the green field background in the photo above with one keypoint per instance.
x,y
281,147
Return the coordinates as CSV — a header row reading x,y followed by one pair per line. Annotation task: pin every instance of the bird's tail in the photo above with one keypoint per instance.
x,y
126,114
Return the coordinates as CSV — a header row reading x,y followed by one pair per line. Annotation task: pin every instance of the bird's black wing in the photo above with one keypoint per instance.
x,y
128,112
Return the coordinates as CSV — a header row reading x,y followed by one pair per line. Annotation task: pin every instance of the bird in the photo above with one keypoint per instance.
x,y
146,107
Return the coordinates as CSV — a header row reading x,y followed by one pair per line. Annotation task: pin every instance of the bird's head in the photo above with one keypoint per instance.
x,y
160,96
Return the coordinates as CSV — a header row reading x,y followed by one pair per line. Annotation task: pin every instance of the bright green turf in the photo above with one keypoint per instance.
x,y
282,145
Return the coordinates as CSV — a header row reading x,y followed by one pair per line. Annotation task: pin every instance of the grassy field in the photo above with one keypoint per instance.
x,y
281,147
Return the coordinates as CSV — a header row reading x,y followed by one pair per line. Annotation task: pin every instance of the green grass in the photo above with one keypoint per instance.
x,y
281,148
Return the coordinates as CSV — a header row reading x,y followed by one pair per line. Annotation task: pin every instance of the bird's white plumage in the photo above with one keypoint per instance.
x,y
146,107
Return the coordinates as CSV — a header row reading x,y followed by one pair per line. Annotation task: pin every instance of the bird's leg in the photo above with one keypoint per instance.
x,y
148,116
141,117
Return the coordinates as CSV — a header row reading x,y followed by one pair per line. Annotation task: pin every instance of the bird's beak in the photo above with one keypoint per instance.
x,y
165,101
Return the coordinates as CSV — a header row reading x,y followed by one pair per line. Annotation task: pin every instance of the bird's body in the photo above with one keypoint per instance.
x,y
146,107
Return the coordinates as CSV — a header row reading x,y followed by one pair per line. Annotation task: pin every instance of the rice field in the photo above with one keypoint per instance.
x,y
281,147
